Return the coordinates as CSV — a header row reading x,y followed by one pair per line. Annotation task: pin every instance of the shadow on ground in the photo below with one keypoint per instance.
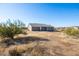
x,y
23,40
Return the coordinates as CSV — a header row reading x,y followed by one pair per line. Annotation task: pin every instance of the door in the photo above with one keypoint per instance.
x,y
43,28
35,28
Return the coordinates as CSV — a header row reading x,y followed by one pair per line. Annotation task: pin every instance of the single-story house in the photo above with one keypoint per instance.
x,y
40,27
75,27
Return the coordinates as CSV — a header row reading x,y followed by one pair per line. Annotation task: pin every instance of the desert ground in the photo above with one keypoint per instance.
x,y
58,43
54,44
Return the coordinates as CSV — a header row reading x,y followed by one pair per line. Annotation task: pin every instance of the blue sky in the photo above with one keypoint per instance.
x,y
53,14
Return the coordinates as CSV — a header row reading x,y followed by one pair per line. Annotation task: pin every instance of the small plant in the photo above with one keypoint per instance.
x,y
31,50
16,51
71,31
37,50
10,29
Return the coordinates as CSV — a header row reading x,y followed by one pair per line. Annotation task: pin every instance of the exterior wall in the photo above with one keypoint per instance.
x,y
43,28
29,28
35,28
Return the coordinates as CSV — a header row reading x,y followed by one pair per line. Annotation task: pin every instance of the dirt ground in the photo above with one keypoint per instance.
x,y
58,43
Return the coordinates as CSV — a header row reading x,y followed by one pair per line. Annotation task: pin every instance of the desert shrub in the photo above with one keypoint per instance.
x,y
31,50
16,52
37,50
71,31
10,29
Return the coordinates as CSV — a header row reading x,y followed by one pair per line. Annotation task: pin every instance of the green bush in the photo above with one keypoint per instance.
x,y
71,31
11,28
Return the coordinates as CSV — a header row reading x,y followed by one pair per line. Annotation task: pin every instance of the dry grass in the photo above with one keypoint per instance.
x,y
42,44
27,50
58,44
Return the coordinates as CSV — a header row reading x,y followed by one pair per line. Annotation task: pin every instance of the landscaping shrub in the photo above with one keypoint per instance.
x,y
71,31
10,29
